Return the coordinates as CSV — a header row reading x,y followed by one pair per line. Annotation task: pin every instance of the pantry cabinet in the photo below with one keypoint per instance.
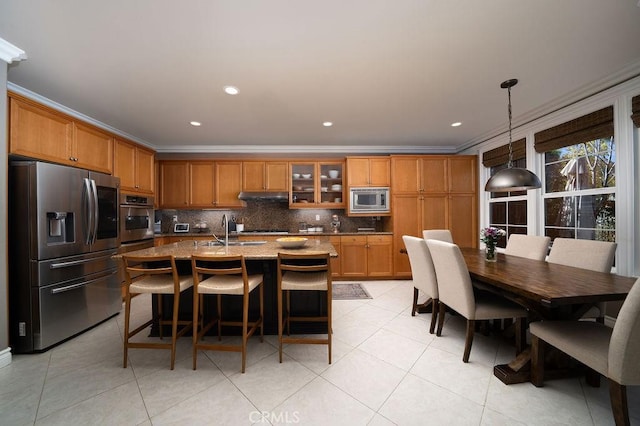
x,y
433,192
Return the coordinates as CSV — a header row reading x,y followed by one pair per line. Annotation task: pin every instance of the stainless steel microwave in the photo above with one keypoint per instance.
x,y
369,200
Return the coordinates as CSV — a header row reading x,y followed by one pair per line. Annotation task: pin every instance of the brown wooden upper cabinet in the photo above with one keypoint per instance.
x,y
200,184
317,184
368,171
134,165
270,176
37,131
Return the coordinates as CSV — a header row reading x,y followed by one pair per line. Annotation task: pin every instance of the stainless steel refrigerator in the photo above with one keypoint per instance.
x,y
63,232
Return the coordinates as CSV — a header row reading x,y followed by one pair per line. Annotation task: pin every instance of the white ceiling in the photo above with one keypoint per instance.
x,y
391,74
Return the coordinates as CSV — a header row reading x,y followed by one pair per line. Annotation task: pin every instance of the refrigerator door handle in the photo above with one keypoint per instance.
x,y
78,285
87,218
94,191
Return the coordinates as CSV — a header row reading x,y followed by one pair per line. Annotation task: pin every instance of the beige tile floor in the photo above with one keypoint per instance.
x,y
387,369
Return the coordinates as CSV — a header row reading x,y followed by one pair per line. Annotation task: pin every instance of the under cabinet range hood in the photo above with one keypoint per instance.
x,y
264,196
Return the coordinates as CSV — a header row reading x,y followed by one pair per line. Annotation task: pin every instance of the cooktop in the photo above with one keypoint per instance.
x,y
266,231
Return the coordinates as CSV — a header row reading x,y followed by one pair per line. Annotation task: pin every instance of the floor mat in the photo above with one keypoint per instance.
x,y
350,291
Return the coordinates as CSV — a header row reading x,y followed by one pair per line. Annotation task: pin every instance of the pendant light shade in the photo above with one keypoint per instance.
x,y
512,178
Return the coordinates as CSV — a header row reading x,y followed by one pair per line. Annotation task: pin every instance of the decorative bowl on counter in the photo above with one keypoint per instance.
x,y
292,242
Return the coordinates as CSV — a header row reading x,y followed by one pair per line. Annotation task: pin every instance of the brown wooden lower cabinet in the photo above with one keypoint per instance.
x,y
366,256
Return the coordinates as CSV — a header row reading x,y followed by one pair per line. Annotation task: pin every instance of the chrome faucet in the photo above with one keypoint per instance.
x,y
225,224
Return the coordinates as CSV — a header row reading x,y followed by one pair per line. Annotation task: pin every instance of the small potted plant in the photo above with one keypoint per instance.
x,y
490,236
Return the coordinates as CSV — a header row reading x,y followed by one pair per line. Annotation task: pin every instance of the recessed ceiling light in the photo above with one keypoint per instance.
x,y
231,90
456,124
195,123
327,124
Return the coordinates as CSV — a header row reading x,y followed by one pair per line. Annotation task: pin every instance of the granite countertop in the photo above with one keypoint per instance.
x,y
258,234
185,249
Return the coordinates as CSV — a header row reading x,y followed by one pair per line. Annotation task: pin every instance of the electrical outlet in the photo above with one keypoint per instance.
x,y
317,217
22,329
175,218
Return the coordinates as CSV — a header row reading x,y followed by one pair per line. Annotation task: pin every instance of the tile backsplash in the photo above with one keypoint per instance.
x,y
269,215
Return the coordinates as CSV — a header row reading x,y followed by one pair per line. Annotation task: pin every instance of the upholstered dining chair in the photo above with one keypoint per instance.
x,y
585,254
423,275
156,275
530,246
224,275
456,291
614,353
303,272
437,234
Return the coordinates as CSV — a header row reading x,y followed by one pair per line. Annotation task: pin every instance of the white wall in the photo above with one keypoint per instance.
x,y
5,354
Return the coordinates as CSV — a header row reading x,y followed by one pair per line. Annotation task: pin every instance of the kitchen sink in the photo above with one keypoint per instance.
x,y
233,243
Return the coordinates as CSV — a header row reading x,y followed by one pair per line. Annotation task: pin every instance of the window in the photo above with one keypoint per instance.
x,y
580,191
579,174
507,210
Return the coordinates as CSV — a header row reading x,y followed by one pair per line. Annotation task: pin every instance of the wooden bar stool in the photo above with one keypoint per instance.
x,y
224,275
157,275
303,272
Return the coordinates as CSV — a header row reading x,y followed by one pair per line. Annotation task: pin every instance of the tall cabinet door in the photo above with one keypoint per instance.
x,y
405,172
411,224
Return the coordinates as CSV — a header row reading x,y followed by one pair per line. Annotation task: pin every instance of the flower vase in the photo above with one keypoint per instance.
x,y
490,254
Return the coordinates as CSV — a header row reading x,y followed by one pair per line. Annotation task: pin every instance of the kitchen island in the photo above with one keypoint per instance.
x,y
260,258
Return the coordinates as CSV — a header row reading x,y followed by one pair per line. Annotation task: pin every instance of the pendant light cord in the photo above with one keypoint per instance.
x,y
510,163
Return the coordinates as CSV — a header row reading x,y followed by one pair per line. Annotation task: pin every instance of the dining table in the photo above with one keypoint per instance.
x,y
547,290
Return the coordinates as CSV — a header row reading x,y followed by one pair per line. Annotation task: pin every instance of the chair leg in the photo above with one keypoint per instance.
x,y
127,314
261,312
280,327
288,297
468,340
160,316
443,308
415,302
196,305
174,328
618,395
434,314
329,297
537,361
245,325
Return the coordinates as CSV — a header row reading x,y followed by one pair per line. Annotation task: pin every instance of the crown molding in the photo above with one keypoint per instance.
x,y
307,149
10,53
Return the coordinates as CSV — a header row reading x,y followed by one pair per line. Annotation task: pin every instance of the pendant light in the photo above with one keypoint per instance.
x,y
512,178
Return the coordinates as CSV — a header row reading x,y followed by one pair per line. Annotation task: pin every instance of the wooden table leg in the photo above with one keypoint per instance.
x,y
517,371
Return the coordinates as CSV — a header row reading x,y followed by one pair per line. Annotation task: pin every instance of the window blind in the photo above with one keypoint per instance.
x,y
500,155
598,124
